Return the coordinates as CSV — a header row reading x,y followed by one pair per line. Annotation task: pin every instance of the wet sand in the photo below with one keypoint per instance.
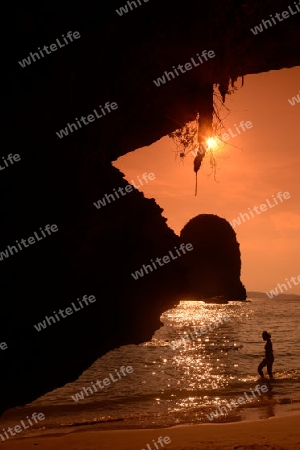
x,y
278,433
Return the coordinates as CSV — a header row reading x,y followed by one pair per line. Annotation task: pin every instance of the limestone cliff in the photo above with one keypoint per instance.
x,y
57,180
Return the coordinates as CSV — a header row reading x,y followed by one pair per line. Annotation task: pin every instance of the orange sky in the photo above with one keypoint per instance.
x,y
266,162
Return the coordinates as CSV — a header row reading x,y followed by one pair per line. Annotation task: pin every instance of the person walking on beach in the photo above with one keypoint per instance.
x,y
269,357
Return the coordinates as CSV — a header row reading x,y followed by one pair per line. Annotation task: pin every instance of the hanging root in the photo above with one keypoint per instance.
x,y
197,165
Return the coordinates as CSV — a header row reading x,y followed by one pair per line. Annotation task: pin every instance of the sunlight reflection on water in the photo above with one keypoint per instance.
x,y
181,385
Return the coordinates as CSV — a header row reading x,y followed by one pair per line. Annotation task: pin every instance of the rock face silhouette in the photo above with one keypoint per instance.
x,y
213,268
57,180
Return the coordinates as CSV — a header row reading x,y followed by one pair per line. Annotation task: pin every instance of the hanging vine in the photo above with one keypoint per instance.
x,y
187,138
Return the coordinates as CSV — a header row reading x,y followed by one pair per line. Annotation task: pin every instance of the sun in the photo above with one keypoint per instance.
x,y
211,143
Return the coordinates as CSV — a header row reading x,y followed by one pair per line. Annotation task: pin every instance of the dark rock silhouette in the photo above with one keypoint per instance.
x,y
213,268
57,180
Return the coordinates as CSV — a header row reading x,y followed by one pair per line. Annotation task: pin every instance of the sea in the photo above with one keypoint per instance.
x,y
184,385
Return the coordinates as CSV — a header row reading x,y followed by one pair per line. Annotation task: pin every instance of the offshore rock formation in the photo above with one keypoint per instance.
x,y
213,268
57,181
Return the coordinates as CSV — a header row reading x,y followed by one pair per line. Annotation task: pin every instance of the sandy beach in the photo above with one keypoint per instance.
x,y
279,433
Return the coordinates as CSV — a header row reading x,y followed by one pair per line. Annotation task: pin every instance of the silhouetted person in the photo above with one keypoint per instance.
x,y
269,357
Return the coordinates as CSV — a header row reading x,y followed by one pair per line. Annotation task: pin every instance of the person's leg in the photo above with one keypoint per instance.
x,y
269,368
260,367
